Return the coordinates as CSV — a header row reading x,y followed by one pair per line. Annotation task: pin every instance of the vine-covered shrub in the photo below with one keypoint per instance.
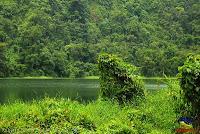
x,y
118,79
190,84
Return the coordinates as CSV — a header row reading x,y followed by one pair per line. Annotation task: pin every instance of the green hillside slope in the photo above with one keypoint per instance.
x,y
62,38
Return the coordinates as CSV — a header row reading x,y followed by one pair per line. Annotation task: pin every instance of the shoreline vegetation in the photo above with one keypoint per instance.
x,y
123,107
87,77
122,113
155,115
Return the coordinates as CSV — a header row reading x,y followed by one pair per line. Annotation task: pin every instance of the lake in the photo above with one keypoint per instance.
x,y
35,89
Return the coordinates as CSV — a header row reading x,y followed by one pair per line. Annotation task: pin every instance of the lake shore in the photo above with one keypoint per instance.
x,y
87,77
154,115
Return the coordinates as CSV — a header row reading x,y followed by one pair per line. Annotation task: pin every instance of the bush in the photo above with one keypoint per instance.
x,y
154,115
117,79
190,84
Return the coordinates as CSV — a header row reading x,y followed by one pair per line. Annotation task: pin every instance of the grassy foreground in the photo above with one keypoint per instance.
x,y
153,116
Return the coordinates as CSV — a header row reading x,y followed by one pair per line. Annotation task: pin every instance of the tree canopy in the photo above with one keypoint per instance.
x,y
63,38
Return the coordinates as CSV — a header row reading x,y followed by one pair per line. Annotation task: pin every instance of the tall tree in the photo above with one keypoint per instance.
x,y
2,60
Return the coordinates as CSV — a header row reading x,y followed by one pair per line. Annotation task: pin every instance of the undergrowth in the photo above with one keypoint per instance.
x,y
156,115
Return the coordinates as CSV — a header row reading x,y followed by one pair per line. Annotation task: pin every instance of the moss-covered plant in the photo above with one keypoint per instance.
x,y
190,84
118,79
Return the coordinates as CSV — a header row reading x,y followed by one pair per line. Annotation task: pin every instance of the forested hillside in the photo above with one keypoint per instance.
x,y
62,38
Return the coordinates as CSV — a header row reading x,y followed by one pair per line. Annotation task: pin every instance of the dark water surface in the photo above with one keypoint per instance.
x,y
35,89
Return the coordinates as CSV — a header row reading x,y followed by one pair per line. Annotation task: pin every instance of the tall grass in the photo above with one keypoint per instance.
x,y
156,115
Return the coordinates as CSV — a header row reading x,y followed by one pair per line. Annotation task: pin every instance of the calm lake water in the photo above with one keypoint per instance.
x,y
35,89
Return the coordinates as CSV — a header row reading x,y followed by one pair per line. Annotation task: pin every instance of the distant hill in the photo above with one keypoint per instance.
x,y
63,37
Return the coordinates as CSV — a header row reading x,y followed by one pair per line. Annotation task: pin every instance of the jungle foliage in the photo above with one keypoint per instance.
x,y
118,80
2,60
154,116
62,38
190,84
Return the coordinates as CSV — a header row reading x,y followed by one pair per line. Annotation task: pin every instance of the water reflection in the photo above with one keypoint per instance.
x,y
79,89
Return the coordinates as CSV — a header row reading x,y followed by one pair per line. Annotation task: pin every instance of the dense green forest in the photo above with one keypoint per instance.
x,y
62,38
